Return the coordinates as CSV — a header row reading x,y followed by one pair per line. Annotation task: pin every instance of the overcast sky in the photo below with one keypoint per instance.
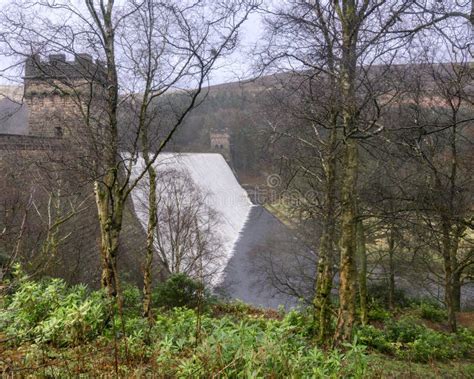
x,y
236,66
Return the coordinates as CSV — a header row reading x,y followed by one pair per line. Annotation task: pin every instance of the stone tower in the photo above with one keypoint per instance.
x,y
57,89
220,142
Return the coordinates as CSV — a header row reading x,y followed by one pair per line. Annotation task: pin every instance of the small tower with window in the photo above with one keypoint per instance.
x,y
220,142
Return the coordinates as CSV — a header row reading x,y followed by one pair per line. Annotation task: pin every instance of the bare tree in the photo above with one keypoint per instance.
x,y
441,157
423,200
38,209
340,41
186,236
353,45
306,151
148,49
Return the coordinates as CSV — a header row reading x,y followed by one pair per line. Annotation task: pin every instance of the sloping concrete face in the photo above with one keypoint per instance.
x,y
269,266
218,189
263,262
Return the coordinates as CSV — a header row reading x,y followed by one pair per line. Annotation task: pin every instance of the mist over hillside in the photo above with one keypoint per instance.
x,y
236,108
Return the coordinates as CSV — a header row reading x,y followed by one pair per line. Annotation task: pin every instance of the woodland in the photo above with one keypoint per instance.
x,y
357,119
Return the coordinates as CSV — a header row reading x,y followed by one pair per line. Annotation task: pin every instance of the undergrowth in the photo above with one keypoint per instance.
x,y
48,323
408,339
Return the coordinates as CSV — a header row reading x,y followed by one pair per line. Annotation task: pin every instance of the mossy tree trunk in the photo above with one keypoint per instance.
x,y
362,263
350,23
110,214
347,270
109,193
322,300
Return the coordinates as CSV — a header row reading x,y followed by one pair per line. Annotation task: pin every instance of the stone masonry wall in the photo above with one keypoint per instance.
x,y
57,93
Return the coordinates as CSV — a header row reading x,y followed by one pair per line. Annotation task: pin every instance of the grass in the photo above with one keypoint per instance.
x,y
381,366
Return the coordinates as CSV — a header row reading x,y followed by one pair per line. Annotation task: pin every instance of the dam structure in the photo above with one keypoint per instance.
x,y
252,238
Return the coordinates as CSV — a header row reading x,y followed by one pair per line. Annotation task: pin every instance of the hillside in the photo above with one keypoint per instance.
x,y
232,106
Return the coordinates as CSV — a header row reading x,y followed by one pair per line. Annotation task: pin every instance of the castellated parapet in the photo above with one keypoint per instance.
x,y
58,93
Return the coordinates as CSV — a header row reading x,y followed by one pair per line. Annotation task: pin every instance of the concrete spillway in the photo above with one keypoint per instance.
x,y
215,180
207,179
269,266
253,240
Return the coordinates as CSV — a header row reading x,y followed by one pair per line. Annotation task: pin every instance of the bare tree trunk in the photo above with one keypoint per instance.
x,y
448,277
201,281
104,254
110,206
391,269
362,258
108,193
450,237
322,300
457,270
458,230
152,223
449,297
348,271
